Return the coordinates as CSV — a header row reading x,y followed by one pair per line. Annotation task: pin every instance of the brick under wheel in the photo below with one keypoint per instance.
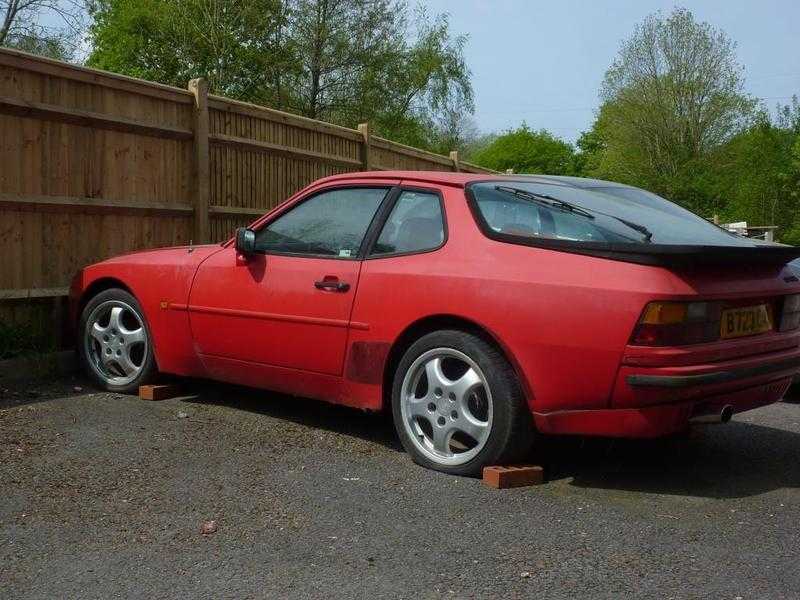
x,y
458,405
114,342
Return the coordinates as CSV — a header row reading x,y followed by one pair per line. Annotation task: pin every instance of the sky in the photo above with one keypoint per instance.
x,y
543,61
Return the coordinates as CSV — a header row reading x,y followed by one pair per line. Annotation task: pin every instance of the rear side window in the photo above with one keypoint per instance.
x,y
331,223
416,224
614,215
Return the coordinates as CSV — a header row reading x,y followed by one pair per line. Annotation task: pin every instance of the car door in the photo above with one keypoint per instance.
x,y
289,304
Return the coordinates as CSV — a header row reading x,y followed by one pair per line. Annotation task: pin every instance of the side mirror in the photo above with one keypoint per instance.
x,y
245,241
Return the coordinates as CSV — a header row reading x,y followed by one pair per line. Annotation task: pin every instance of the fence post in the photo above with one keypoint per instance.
x,y
456,163
202,199
363,128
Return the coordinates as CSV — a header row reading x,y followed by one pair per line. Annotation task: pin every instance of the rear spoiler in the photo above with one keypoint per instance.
x,y
665,255
668,255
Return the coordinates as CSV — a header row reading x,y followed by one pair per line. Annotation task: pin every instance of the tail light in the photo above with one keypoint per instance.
x,y
678,324
790,315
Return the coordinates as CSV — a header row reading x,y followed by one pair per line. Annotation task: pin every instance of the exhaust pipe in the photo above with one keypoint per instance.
x,y
723,416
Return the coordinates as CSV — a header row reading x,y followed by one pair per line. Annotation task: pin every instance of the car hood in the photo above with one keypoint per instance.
x,y
157,254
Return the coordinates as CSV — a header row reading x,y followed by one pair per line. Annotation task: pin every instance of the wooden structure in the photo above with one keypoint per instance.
x,y
93,164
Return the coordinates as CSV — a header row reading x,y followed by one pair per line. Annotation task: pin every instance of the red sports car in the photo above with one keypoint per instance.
x,y
480,309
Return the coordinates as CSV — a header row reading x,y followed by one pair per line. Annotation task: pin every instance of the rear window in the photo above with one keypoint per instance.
x,y
614,215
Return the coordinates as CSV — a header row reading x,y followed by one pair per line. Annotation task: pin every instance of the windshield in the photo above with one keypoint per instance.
x,y
619,215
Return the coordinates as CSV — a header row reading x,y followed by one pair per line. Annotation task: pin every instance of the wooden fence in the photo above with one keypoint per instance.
x,y
93,164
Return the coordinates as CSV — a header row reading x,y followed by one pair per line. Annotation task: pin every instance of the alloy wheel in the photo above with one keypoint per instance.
x,y
116,342
446,406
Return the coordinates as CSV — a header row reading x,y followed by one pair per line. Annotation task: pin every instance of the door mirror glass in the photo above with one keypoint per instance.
x,y
245,241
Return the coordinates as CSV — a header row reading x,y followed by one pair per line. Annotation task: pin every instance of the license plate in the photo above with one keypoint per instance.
x,y
748,320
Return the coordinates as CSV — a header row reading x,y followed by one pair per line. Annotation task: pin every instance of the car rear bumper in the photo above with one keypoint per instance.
x,y
642,386
660,420
652,398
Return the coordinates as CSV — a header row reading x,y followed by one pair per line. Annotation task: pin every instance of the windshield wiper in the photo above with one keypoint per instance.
x,y
648,235
544,199
574,208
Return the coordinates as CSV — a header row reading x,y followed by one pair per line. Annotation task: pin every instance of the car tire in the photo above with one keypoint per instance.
x,y
482,409
114,343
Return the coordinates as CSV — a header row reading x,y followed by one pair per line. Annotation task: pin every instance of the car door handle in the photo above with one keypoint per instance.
x,y
332,284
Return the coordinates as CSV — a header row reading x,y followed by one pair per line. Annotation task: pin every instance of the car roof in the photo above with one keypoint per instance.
x,y
462,179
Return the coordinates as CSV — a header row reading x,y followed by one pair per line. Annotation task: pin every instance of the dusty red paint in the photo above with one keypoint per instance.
x,y
564,320
366,361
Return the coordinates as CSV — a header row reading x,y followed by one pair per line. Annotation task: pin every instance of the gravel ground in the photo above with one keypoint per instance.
x,y
104,496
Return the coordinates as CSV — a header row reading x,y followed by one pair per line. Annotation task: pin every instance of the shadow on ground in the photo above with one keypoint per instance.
x,y
21,392
728,461
735,460
314,414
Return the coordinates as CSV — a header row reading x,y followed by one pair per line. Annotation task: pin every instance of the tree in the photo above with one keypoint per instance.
x,y
428,84
51,45
590,148
237,46
343,61
341,45
792,234
20,27
673,96
752,174
455,129
528,151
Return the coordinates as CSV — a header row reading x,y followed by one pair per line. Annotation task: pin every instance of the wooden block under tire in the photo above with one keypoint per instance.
x,y
514,476
159,392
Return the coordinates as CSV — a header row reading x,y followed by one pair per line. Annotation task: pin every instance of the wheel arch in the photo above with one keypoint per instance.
x,y
431,323
99,285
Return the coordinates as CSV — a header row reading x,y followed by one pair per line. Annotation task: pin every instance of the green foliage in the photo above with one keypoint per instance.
x,y
590,149
672,97
235,45
343,61
528,151
753,173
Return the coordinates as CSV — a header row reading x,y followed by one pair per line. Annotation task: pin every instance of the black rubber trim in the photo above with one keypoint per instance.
x,y
682,381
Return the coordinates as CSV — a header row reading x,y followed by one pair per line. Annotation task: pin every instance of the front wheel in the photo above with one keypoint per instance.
x,y
115,347
458,406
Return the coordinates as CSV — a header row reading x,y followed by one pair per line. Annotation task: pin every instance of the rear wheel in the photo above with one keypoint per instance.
x,y
115,345
458,406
